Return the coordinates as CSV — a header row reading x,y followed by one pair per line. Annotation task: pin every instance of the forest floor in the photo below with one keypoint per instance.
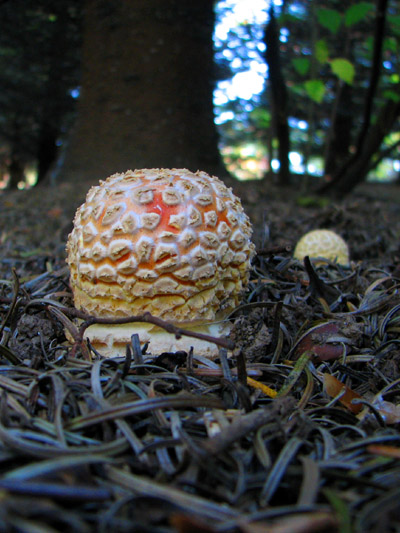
x,y
296,431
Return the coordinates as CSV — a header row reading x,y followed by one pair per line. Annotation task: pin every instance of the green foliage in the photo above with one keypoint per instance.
x,y
313,201
322,51
390,44
343,69
394,22
261,117
329,19
341,508
357,12
302,65
327,61
392,95
315,90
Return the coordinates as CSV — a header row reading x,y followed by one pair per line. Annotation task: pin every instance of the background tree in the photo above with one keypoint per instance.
x,y
371,136
148,76
38,68
279,97
333,61
146,96
328,54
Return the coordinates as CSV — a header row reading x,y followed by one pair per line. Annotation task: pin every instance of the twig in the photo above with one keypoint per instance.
x,y
275,250
244,424
88,320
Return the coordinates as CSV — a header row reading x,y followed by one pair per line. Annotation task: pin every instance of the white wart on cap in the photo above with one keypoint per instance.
x,y
166,241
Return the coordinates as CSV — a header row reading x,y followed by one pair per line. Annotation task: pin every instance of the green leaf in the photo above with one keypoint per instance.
x,y
321,51
343,69
315,90
262,117
369,44
329,19
390,43
392,95
298,89
341,508
394,22
301,65
357,12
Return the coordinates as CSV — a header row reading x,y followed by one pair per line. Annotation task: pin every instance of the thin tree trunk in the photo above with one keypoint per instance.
x,y
339,137
356,168
55,101
279,98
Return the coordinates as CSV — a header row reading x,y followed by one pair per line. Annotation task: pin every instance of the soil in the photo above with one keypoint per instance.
x,y
81,448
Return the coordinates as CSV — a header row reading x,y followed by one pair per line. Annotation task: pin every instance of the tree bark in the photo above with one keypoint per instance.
x,y
279,98
357,172
16,172
339,139
356,168
55,105
147,87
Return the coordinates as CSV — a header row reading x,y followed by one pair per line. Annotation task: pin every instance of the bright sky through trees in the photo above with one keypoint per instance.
x,y
249,80
239,45
230,15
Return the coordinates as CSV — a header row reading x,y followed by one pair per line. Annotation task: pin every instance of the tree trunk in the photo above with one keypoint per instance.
x,y
340,134
147,87
357,171
56,102
47,149
16,172
356,168
279,98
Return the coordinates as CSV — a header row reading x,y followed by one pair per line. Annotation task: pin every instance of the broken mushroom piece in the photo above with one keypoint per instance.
x,y
322,243
165,241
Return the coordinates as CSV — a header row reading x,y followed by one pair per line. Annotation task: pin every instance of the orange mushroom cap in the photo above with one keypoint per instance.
x,y
165,241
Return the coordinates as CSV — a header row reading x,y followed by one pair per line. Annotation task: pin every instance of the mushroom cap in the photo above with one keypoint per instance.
x,y
165,241
322,243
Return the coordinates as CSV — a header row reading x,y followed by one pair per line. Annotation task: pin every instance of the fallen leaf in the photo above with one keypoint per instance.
x,y
333,387
387,451
389,411
325,341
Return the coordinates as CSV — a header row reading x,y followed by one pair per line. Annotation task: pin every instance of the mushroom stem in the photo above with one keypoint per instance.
x,y
211,336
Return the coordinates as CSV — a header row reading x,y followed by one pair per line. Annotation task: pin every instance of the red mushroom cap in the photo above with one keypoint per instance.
x,y
170,242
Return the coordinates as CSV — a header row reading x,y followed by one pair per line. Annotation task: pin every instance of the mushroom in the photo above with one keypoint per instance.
x,y
165,241
322,243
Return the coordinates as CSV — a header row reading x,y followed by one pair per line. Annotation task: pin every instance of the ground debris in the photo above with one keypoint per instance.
x,y
296,429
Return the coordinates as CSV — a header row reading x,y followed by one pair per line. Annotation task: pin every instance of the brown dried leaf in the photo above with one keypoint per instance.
x,y
387,451
326,341
333,387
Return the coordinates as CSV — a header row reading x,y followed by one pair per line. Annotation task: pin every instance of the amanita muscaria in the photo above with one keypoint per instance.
x,y
322,243
165,241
